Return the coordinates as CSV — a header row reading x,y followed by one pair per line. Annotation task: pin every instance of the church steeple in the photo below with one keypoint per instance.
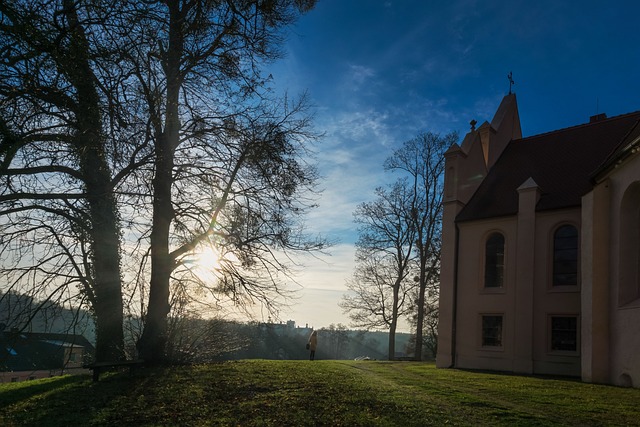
x,y
505,126
468,163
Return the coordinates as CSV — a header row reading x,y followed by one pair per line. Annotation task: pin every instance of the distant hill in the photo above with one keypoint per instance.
x,y
206,340
23,313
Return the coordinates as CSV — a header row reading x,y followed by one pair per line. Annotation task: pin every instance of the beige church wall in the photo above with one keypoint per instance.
x,y
474,300
446,310
625,348
625,315
595,293
549,300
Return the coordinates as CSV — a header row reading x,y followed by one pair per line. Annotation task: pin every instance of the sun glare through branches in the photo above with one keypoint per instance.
x,y
206,264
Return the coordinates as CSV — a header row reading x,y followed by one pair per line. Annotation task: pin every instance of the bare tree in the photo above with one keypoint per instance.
x,y
421,159
58,206
227,166
381,282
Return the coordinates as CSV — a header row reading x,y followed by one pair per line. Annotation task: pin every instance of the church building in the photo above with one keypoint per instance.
x,y
540,269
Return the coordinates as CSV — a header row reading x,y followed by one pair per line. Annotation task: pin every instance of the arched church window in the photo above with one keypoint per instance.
x,y
494,261
630,245
565,256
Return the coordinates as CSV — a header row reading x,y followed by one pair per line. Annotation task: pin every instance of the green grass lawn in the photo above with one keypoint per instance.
x,y
334,393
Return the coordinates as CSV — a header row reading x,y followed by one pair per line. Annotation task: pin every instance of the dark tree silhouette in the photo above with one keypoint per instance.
x,y
421,159
227,168
150,121
60,221
381,282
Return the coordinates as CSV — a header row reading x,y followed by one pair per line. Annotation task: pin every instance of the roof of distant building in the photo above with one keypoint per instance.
x,y
23,351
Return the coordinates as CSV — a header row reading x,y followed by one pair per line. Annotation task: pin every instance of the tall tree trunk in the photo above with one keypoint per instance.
x,y
152,343
107,304
394,321
104,232
420,311
392,339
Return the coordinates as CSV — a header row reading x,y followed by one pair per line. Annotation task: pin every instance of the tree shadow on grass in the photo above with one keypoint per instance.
x,y
17,392
64,401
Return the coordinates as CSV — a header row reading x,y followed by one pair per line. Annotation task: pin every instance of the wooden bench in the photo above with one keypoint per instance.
x,y
98,367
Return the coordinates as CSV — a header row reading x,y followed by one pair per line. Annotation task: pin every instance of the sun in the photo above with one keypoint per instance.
x,y
205,263
208,259
208,262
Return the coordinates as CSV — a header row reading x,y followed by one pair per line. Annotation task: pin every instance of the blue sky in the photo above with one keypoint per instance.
x,y
378,72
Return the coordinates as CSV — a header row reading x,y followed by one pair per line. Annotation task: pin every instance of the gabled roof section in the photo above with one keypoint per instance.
x,y
506,123
560,162
630,144
506,111
455,148
469,140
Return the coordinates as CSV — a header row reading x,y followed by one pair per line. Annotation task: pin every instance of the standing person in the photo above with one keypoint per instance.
x,y
313,343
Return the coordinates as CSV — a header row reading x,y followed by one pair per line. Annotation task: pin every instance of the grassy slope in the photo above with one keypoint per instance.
x,y
333,393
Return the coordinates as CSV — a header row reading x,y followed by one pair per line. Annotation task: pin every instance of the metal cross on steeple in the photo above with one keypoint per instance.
x,y
511,82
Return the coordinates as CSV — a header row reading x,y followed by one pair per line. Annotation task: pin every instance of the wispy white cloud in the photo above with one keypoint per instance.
x,y
359,75
354,149
363,126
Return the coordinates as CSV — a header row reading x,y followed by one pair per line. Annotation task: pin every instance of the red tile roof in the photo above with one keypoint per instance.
x,y
560,162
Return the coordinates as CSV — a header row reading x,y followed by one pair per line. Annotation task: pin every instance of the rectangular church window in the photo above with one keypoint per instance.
x,y
492,331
